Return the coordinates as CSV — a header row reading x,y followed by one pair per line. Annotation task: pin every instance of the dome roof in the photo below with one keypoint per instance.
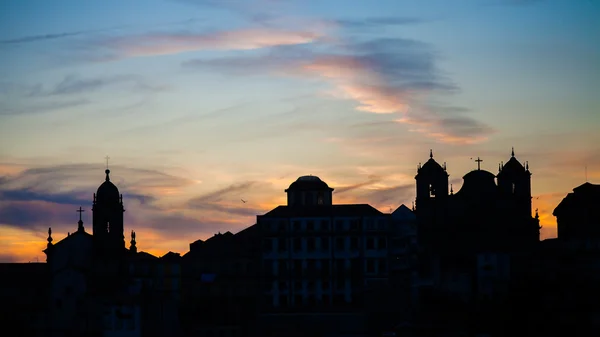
x,y
107,191
308,183
478,183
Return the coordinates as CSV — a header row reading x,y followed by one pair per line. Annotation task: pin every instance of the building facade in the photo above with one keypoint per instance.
x,y
476,244
98,287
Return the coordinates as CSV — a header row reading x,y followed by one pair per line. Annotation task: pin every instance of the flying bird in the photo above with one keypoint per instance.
x,y
244,201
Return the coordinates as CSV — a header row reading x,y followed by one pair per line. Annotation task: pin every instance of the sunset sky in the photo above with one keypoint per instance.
x,y
201,103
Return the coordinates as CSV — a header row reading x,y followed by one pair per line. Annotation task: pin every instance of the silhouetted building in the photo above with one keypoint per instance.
x,y
23,298
404,278
100,288
221,284
467,262
565,288
475,243
319,257
578,215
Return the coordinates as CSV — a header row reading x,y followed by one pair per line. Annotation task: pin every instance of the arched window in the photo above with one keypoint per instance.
x,y
431,191
513,188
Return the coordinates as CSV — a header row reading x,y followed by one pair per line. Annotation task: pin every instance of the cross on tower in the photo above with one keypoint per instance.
x,y
479,163
107,158
80,210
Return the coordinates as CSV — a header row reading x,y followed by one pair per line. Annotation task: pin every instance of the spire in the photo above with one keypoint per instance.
x,y
430,153
107,171
499,167
512,153
451,190
537,215
80,222
413,206
49,236
133,248
527,165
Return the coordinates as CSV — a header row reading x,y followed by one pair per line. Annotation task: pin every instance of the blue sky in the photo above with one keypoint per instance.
x,y
199,103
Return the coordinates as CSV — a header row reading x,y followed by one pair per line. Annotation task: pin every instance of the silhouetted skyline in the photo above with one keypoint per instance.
x,y
208,110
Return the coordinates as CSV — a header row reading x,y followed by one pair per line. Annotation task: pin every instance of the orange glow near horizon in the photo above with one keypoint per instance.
x,y
25,246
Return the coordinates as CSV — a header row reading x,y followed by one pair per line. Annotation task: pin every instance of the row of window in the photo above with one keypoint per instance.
x,y
159,268
310,286
324,225
369,265
284,301
313,244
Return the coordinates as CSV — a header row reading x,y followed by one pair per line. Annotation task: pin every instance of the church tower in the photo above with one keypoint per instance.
x,y
432,203
108,217
432,182
514,183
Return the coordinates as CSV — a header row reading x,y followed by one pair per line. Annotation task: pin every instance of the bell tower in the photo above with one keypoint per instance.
x,y
108,217
514,182
432,182
432,203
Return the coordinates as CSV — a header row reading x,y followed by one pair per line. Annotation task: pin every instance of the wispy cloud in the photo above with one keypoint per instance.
x,y
227,200
43,107
20,99
44,37
73,185
517,2
171,43
371,180
389,76
79,33
379,22
463,129
73,84
394,195
31,200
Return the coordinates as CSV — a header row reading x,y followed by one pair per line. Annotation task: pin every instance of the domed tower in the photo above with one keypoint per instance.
x,y
309,191
108,215
432,182
514,183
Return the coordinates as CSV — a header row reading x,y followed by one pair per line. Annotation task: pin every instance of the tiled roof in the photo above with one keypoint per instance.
x,y
72,235
349,210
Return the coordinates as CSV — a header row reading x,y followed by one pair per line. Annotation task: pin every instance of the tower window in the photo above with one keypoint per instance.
x,y
320,198
431,190
513,188
108,227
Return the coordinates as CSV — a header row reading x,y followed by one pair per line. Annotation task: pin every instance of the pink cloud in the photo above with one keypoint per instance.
x,y
356,81
437,128
359,81
243,39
